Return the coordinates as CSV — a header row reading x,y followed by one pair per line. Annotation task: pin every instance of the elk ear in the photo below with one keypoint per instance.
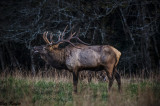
x,y
54,46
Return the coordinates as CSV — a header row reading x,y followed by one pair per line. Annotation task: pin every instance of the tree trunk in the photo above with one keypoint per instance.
x,y
13,59
32,63
1,59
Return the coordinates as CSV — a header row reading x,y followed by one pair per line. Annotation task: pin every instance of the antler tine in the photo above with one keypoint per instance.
x,y
82,41
59,36
73,44
78,32
76,37
51,36
64,32
45,37
71,36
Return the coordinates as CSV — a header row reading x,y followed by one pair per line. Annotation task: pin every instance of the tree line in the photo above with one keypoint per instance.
x,y
131,26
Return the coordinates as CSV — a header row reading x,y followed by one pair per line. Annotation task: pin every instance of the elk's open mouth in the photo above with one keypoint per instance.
x,y
36,51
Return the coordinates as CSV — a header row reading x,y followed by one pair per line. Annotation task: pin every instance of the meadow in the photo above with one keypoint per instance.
x,y
27,90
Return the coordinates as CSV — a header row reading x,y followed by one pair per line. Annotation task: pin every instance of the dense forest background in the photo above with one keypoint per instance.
x,y
131,26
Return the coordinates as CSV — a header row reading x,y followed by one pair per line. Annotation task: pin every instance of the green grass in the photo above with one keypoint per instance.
x,y
28,91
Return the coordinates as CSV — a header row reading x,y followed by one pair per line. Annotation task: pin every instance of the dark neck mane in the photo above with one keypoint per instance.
x,y
58,55
56,58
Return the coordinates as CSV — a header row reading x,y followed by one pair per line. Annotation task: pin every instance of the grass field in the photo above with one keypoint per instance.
x,y
49,91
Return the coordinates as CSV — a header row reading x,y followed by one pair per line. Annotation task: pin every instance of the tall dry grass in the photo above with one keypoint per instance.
x,y
55,88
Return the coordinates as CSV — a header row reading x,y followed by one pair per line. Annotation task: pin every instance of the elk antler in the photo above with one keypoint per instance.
x,y
61,36
76,37
45,38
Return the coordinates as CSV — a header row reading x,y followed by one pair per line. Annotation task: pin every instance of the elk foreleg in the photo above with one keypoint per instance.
x,y
75,81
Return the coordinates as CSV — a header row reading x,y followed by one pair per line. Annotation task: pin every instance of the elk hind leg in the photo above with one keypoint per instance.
x,y
109,72
118,79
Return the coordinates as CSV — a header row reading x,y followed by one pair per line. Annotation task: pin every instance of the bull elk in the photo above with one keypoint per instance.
x,y
78,57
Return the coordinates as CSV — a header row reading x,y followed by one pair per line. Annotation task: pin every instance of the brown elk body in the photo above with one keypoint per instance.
x,y
82,57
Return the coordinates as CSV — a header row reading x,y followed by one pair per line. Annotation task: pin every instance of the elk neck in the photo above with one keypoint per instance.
x,y
56,58
58,55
